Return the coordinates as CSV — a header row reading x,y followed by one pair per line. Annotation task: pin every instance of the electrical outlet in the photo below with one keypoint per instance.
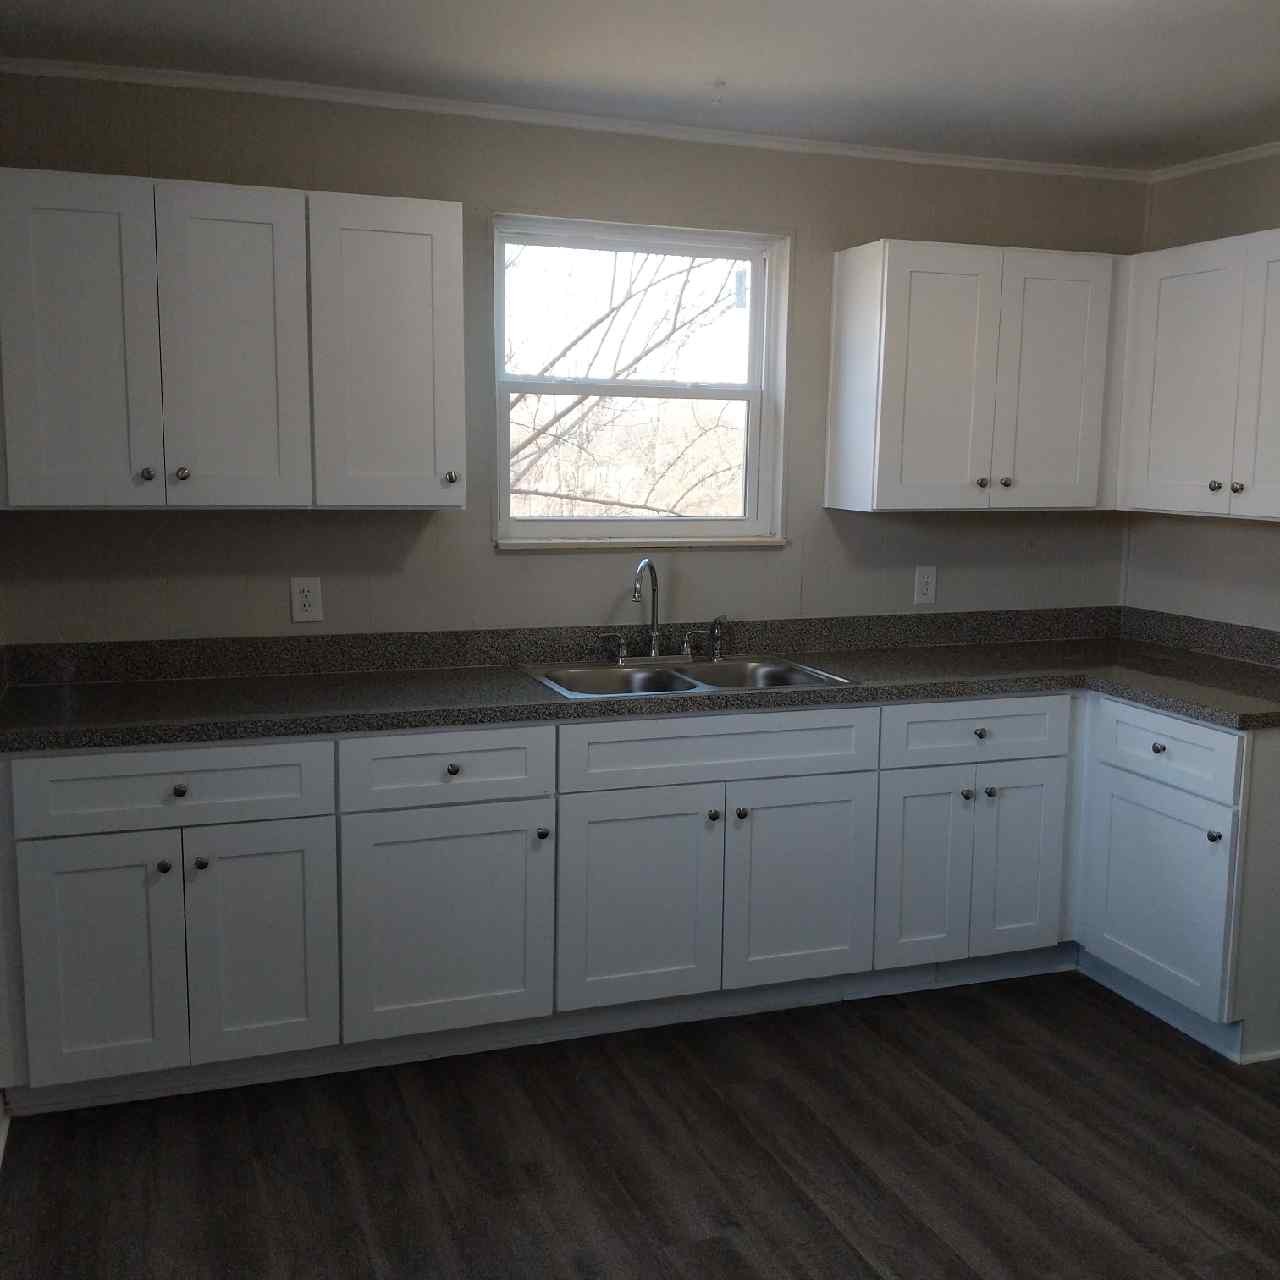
x,y
926,584
305,601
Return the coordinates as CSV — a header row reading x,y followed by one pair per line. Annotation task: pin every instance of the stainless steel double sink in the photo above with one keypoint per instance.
x,y
653,676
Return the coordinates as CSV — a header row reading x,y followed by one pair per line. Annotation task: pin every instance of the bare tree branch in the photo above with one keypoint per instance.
x,y
599,502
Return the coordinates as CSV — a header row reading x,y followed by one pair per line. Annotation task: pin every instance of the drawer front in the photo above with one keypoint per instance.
x,y
1191,756
138,791
932,733
659,753
408,770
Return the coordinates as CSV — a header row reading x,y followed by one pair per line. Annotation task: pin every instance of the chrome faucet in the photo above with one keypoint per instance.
x,y
644,564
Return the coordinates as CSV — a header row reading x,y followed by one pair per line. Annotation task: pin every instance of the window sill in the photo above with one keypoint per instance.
x,y
762,542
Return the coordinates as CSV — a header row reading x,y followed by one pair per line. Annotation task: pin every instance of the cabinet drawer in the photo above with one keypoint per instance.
x,y
134,791
408,770
930,733
655,753
1191,756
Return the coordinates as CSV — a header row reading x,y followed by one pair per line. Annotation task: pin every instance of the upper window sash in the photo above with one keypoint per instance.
x,y
621,238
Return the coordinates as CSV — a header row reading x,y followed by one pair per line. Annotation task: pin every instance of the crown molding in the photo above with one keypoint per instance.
x,y
537,116
1208,163
608,124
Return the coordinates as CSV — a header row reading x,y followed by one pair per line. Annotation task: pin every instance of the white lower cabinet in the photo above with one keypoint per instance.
x,y
448,917
640,894
262,937
924,866
103,955
799,878
1018,849
970,860
1159,882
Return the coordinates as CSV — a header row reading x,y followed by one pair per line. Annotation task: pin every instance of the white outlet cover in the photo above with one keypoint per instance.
x,y
306,603
926,584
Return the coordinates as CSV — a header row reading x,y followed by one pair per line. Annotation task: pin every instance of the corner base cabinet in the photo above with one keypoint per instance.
x,y
1160,868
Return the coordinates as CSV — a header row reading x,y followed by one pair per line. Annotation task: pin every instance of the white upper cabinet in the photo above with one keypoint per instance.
x,y
1054,317
966,377
78,340
1255,477
386,332
233,318
1182,378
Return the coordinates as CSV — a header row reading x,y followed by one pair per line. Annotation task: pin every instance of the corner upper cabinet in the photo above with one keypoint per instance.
x,y
966,377
387,352
79,344
1183,362
233,323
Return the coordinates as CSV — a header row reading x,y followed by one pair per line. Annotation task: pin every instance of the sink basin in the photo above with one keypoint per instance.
x,y
616,682
675,675
757,673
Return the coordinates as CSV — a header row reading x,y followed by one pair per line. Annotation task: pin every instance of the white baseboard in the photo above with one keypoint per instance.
x,y
564,1026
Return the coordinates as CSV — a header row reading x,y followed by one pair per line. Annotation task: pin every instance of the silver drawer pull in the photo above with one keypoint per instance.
x,y
1214,836
991,793
453,769
180,790
967,793
979,733
1158,748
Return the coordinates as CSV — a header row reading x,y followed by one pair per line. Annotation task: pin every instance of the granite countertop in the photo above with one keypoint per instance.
x,y
1235,695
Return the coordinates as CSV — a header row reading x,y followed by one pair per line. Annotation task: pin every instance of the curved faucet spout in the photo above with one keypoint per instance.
x,y
636,595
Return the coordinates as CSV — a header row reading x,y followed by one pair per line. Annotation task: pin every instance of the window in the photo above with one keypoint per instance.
x,y
639,384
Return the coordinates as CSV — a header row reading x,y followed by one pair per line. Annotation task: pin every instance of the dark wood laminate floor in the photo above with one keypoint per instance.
x,y
1039,1128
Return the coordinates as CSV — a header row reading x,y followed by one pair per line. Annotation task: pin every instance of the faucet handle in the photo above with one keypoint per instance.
x,y
715,635
621,642
687,650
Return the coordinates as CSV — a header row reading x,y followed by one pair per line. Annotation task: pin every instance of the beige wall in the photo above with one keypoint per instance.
x,y
1221,569
110,575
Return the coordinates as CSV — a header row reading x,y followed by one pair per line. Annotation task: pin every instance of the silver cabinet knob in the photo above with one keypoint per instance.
x,y
979,733
182,473
1214,836
202,864
982,482
713,815
743,812
543,832
967,793
453,769
1215,485
147,473
1006,482
1237,486
990,792
180,789
1158,748
164,866
451,477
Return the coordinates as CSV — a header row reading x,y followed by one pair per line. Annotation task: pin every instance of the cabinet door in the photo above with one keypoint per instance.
x,y
640,894
1180,406
1054,318
79,340
938,389
233,322
799,878
1159,884
1257,458
924,865
386,333
262,937
1020,816
448,917
103,955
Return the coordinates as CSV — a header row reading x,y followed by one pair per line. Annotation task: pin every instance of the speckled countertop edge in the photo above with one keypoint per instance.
x,y
537,705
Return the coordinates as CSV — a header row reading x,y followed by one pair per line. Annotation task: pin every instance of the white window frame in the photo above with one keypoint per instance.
x,y
763,392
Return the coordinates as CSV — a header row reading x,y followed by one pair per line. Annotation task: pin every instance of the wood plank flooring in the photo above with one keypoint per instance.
x,y
1040,1128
